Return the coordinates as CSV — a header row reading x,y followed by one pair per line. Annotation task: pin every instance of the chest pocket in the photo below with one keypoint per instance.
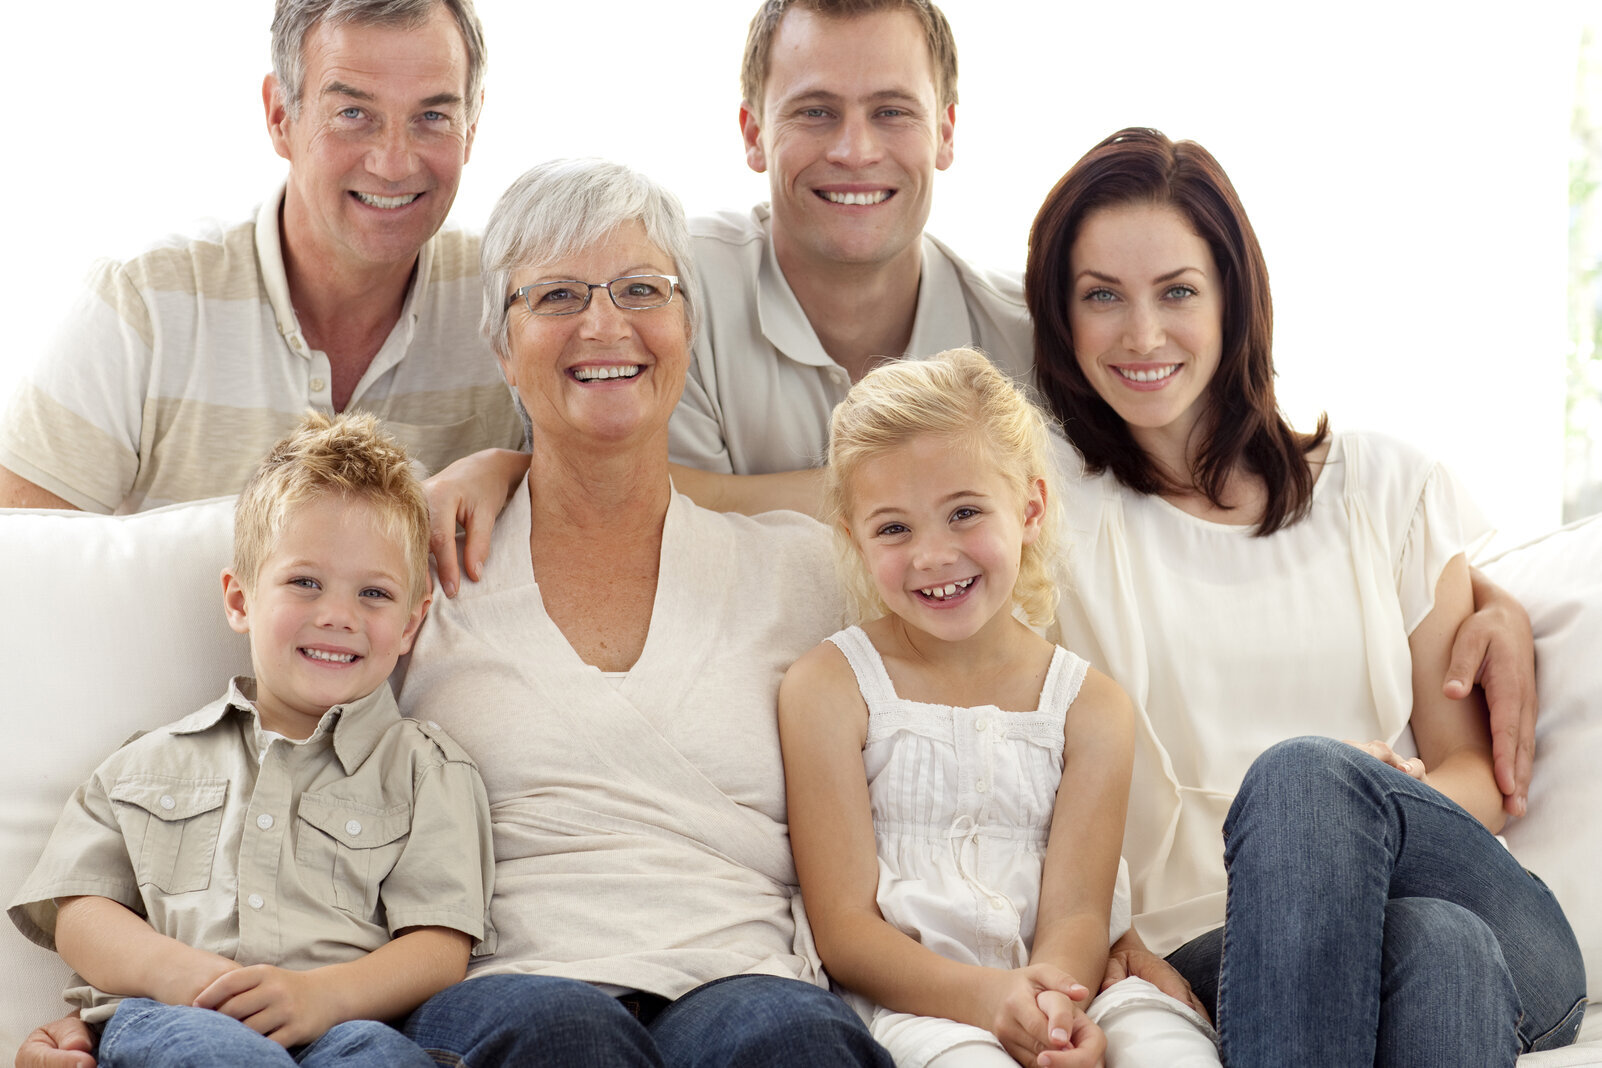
x,y
171,827
346,849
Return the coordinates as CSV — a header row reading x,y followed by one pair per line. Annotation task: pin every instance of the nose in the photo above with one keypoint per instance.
x,y
855,142
933,550
1143,330
603,320
336,612
393,156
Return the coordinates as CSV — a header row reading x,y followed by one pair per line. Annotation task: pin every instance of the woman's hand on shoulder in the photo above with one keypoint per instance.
x,y
469,492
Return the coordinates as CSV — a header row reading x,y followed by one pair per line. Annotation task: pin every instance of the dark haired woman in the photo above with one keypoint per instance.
x,y
1249,584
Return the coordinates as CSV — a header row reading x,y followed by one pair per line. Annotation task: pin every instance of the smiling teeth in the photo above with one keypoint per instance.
x,y
1148,376
332,658
593,374
950,589
374,201
863,199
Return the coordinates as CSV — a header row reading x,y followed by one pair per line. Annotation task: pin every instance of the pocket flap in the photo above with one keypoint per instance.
x,y
354,824
171,799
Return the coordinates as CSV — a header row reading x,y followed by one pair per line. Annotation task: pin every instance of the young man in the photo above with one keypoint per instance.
x,y
178,368
294,861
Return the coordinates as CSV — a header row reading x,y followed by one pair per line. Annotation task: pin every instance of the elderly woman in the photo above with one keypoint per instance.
x,y
620,704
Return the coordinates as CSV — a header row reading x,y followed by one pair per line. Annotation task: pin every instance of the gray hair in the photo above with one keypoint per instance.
x,y
563,206
294,19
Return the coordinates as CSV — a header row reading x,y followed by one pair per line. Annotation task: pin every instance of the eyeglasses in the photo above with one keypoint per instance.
x,y
632,292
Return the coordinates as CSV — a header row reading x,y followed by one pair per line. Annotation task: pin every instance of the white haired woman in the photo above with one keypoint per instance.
x,y
621,707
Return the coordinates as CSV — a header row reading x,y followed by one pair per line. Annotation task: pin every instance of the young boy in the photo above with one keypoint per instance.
x,y
295,860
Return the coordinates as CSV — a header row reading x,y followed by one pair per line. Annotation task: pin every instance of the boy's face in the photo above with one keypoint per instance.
x,y
328,615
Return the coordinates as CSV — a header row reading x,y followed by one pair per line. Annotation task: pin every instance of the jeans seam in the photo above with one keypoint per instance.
x,y
1534,1044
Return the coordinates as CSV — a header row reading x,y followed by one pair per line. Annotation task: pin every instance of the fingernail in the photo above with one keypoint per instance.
x,y
1059,1035
450,588
1523,806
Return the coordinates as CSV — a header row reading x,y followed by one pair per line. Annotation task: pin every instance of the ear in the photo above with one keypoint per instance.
x,y
236,604
751,134
416,620
1034,510
946,150
472,131
272,100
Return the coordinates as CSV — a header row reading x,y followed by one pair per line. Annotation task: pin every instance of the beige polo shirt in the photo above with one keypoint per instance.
x,y
270,851
175,371
760,387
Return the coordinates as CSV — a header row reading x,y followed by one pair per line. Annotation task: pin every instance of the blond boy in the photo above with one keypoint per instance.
x,y
261,880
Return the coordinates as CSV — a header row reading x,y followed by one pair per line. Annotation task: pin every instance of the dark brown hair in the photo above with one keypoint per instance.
x,y
1144,167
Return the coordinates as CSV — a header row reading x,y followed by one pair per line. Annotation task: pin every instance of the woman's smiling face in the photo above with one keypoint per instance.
x,y
605,374
1146,311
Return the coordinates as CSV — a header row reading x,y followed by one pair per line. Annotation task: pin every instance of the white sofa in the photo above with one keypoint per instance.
x,y
110,625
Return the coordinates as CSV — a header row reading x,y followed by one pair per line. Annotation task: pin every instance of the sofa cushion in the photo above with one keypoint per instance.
x,y
1558,578
111,625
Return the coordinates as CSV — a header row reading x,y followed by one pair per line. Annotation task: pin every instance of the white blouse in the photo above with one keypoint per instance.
x,y
1227,642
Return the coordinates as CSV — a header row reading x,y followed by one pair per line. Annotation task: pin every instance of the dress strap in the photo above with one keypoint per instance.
x,y
1063,679
872,679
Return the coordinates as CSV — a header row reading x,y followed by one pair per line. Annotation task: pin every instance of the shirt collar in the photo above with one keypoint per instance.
x,y
355,726
940,322
275,279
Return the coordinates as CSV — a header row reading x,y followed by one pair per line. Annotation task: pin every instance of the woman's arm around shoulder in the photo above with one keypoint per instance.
x,y
1453,735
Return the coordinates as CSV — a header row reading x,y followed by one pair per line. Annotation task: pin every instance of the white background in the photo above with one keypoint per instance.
x,y
1404,163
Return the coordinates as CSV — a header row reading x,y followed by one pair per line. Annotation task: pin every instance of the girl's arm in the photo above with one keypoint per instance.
x,y
1087,831
294,1007
1453,736
120,953
822,726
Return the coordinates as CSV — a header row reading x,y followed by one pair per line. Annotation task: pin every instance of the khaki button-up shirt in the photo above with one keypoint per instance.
x,y
271,851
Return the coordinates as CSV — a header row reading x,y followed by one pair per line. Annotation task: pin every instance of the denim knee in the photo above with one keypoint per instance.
x,y
363,1042
768,1020
529,1019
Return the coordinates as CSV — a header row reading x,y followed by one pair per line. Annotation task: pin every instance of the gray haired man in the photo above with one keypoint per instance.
x,y
176,369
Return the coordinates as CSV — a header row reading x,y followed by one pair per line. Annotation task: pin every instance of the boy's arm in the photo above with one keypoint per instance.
x,y
118,952
293,1008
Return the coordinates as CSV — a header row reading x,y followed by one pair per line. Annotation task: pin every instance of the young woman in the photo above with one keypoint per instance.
x,y
1249,584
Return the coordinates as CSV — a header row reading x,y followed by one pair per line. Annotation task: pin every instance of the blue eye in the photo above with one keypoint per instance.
x,y
304,583
965,512
1099,296
891,529
375,592
1179,292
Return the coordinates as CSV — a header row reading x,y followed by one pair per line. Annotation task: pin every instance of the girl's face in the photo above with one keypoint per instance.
x,y
1147,315
941,531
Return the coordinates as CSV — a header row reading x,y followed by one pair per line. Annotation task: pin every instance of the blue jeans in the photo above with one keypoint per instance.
x,y
1371,920
744,1021
145,1032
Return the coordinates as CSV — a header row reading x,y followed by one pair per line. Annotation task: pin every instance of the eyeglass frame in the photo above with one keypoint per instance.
x,y
589,293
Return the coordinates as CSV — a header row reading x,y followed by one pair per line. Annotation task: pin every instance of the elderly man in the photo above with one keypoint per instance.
x,y
178,368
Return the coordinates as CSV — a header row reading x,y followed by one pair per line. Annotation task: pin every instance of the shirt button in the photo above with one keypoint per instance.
x,y
317,385
297,344
353,826
265,821
981,725
997,904
168,803
255,901
981,786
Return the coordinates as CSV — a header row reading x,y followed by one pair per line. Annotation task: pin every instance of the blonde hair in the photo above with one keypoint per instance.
x,y
347,456
962,395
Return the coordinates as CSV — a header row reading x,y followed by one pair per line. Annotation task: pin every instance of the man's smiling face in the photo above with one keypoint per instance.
x,y
850,135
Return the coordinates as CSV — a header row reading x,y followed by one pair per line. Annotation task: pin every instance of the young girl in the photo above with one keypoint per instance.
x,y
964,886
1249,584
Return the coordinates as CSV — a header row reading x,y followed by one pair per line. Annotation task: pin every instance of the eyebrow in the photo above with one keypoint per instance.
x,y
820,95
341,89
947,499
1169,277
